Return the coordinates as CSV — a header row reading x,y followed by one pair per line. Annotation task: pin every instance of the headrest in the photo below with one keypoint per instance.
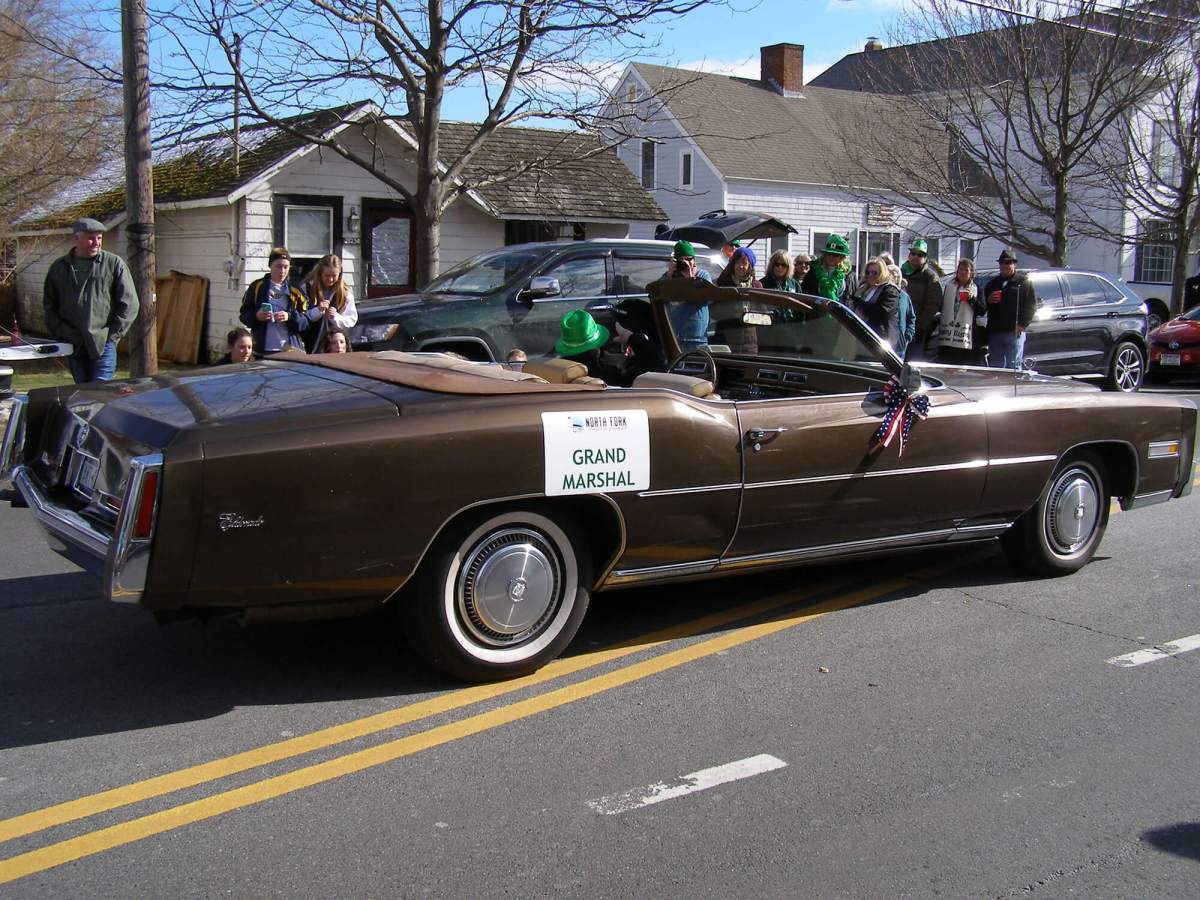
x,y
556,371
696,387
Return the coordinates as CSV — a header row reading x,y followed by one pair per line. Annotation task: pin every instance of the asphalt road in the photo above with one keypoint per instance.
x,y
925,725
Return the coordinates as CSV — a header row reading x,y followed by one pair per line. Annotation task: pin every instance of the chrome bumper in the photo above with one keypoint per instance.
x,y
121,558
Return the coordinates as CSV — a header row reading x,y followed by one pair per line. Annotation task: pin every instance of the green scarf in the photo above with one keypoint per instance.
x,y
830,284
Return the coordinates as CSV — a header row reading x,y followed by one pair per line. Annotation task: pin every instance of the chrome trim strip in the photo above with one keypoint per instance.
x,y
1162,449
65,524
702,489
14,439
1021,460
632,576
1151,499
977,531
780,556
126,568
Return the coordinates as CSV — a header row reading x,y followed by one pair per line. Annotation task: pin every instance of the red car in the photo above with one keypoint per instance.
x,y
1175,347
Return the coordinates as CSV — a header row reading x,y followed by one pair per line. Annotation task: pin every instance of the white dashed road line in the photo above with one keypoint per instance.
x,y
1162,651
688,784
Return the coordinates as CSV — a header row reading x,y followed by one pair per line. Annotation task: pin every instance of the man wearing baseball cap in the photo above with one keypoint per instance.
x,y
1011,303
90,302
689,321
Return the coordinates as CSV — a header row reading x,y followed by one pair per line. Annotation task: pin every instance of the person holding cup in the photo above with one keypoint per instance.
x,y
1011,304
961,303
274,310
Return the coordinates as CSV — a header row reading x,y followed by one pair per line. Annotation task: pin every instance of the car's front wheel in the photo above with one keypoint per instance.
x,y
1061,533
1127,368
500,595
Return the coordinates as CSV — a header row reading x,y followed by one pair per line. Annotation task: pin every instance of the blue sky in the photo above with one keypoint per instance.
x,y
718,39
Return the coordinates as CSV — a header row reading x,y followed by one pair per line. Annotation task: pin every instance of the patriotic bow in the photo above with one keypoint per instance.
x,y
902,406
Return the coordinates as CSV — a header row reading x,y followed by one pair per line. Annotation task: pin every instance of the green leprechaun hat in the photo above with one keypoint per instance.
x,y
835,243
580,333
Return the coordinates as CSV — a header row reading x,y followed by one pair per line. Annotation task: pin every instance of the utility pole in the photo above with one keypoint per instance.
x,y
139,184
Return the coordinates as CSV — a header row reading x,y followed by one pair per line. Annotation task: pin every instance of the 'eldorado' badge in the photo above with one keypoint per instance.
x,y
233,520
598,451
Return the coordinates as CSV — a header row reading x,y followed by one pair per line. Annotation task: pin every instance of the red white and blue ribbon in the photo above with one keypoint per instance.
x,y
902,407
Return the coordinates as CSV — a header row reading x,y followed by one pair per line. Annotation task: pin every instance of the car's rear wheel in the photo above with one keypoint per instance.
x,y
1061,533
1127,368
500,595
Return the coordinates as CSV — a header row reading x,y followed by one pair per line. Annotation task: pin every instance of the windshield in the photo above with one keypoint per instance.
x,y
795,331
1192,314
487,272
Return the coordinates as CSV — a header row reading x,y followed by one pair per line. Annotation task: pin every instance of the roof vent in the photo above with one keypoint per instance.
x,y
873,43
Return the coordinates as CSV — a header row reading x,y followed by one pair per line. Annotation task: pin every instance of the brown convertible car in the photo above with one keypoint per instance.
x,y
489,504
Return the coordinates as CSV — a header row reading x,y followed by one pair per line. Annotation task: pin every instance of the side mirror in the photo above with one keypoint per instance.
x,y
544,286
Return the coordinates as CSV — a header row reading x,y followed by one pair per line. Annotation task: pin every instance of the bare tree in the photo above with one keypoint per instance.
x,y
1160,168
531,60
1014,102
58,120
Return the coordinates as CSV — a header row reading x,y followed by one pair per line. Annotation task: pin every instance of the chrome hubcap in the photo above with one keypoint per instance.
x,y
1073,512
510,586
1128,369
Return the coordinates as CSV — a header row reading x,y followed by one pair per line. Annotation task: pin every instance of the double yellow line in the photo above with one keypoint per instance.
x,y
107,838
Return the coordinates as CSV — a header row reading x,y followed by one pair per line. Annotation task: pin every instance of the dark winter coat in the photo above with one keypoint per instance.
x,y
1016,305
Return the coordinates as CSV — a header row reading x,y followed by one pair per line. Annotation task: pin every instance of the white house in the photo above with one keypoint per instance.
x,y
703,141
219,219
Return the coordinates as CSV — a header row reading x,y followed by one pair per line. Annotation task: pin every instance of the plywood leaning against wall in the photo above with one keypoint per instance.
x,y
179,316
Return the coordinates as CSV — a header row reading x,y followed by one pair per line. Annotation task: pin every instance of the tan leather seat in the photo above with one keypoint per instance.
x,y
695,387
560,371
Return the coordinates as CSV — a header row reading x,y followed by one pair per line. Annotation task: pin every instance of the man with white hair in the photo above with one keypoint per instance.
x,y
90,302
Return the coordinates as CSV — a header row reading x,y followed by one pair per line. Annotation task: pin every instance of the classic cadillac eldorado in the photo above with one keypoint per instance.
x,y
489,504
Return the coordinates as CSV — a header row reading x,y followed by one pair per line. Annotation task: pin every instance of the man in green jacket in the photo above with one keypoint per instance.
x,y
90,302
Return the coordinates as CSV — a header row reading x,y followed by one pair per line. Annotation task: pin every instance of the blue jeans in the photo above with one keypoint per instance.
x,y
101,368
1006,350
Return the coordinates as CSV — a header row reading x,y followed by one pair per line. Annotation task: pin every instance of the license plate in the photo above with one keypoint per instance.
x,y
85,478
1168,359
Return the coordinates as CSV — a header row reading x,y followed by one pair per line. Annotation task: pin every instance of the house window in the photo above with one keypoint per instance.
x,y
685,169
873,243
966,248
1154,257
631,93
1164,157
308,230
935,249
648,159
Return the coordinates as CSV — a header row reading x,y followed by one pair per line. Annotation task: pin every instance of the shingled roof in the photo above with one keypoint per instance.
x,y
749,130
573,176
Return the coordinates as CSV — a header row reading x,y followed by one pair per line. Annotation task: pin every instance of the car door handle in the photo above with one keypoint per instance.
x,y
758,436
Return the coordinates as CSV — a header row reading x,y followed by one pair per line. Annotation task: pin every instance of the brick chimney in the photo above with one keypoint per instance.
x,y
782,67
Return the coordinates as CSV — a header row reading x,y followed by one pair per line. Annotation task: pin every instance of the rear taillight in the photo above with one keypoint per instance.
x,y
145,506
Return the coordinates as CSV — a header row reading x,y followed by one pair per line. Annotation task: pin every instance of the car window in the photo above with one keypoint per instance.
x,y
634,273
580,277
1112,294
800,331
1085,289
485,273
1049,291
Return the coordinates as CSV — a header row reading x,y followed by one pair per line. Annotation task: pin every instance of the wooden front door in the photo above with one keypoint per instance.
x,y
388,248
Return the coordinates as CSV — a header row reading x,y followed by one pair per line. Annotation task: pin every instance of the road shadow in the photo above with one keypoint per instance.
x,y
1180,839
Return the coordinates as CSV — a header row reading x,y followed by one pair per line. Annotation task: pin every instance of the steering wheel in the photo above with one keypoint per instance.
x,y
702,353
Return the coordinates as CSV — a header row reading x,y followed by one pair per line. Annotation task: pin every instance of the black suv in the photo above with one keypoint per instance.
x,y
515,297
1088,325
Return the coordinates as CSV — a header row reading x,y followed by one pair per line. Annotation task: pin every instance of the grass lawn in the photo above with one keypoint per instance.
x,y
54,373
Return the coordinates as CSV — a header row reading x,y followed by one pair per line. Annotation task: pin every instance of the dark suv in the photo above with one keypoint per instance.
x,y
1088,325
515,297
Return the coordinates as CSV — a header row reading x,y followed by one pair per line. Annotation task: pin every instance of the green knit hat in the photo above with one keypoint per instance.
x,y
580,333
684,250
835,243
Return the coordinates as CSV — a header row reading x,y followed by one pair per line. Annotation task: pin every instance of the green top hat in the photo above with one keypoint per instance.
x,y
919,246
835,243
580,333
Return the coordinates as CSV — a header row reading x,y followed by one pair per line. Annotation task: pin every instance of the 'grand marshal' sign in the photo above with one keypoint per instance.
x,y
590,452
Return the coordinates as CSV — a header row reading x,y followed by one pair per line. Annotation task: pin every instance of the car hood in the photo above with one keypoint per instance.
x,y
977,383
254,397
385,309
1177,330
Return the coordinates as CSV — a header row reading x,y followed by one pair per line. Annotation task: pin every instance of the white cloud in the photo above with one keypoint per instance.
x,y
739,68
